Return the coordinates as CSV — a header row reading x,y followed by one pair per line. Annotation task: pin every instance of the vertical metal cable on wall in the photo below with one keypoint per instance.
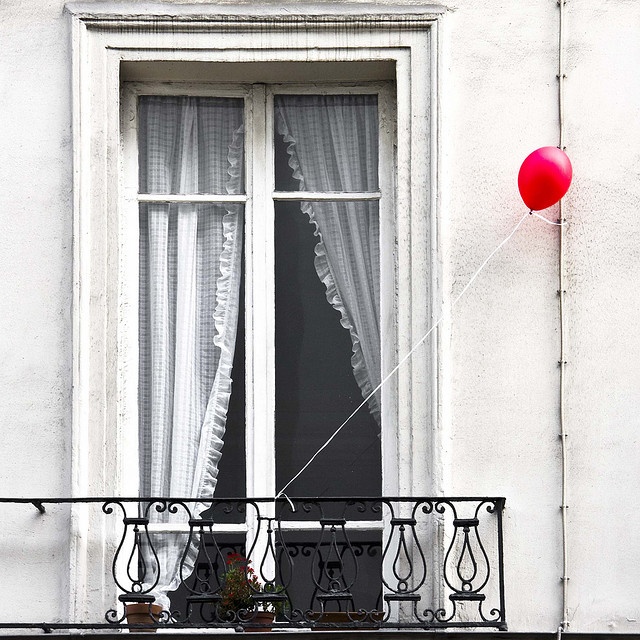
x,y
564,624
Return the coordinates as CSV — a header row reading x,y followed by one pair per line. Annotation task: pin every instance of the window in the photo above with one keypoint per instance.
x,y
342,51
311,263
308,215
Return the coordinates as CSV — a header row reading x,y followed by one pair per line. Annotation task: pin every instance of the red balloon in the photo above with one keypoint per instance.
x,y
544,177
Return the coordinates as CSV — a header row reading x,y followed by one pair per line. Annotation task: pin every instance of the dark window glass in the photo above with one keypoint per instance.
x,y
315,386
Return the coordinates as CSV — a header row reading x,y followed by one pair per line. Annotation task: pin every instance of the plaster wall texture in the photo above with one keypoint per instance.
x,y
36,292
502,435
604,302
500,403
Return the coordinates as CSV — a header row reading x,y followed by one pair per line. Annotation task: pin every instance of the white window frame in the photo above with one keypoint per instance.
x,y
260,258
105,349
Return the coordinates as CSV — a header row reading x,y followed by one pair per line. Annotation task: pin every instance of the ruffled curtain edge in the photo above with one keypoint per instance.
x,y
323,269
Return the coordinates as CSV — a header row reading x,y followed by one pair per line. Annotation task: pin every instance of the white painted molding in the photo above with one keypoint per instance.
x,y
104,13
107,35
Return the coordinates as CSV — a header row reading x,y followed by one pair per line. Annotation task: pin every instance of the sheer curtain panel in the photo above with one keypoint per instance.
x,y
190,262
332,143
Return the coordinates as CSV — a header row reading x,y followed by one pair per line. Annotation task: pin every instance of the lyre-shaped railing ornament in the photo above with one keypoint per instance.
x,y
135,567
274,566
466,567
202,578
403,563
330,571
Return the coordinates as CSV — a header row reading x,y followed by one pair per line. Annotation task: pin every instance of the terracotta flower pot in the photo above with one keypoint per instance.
x,y
143,613
263,621
345,620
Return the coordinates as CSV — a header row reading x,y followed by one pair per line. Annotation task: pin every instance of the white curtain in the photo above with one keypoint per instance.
x,y
190,263
332,142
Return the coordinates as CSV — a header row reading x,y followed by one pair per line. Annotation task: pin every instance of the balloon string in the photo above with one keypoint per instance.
x,y
537,215
408,355
288,499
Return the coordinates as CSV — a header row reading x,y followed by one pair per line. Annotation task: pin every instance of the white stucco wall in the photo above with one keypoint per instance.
x,y
499,430
502,436
604,305
35,288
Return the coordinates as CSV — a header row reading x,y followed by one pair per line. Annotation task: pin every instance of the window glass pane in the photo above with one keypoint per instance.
x,y
191,145
316,388
183,293
328,142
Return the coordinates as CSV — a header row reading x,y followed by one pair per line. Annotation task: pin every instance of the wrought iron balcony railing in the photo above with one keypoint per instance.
x,y
403,563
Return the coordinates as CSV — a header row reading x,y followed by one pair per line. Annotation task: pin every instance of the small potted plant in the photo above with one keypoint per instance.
x,y
242,596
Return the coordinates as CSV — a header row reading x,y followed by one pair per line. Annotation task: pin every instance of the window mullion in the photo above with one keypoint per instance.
x,y
167,198
260,302
327,196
